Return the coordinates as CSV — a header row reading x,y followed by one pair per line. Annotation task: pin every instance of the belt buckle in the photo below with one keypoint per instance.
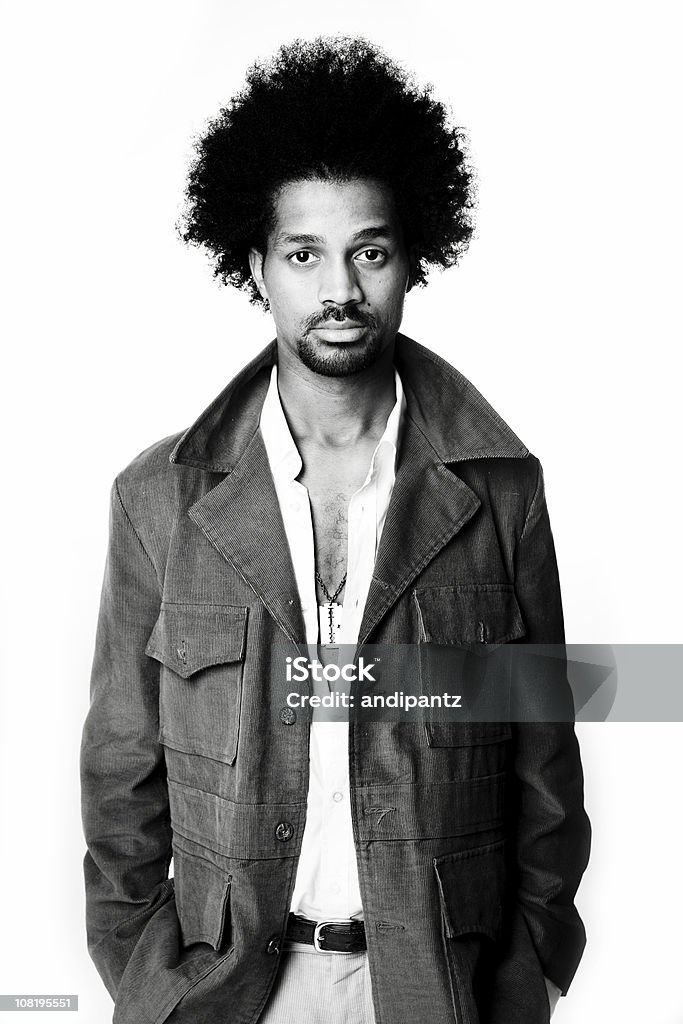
x,y
316,937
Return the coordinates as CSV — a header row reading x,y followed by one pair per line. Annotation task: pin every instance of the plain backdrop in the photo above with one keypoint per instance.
x,y
563,313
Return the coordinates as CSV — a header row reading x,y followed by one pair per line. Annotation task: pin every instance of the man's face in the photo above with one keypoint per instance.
x,y
335,273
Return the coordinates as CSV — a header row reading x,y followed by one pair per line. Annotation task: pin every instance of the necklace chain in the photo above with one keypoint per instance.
x,y
330,597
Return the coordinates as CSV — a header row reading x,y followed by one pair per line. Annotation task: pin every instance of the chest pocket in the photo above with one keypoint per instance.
x,y
201,649
459,627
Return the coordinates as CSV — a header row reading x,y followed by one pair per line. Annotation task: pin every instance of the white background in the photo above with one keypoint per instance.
x,y
563,314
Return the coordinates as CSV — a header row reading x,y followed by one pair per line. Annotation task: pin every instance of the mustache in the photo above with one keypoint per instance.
x,y
358,317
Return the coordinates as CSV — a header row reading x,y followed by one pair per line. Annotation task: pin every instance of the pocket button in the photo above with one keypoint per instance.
x,y
283,831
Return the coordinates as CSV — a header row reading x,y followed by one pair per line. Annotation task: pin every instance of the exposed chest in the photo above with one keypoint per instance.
x,y
331,482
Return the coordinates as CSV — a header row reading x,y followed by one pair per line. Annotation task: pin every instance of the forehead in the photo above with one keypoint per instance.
x,y
332,209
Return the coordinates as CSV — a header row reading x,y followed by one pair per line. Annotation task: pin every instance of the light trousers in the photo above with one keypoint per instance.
x,y
320,988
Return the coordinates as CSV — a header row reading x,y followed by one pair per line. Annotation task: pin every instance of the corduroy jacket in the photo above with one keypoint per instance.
x,y
471,838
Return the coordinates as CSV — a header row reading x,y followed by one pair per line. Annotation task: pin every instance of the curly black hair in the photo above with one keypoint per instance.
x,y
334,109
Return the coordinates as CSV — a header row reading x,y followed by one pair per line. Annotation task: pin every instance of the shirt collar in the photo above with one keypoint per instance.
x,y
385,454
283,454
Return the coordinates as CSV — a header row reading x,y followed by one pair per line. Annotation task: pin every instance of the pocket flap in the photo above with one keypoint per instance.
x,y
190,637
466,734
472,890
477,613
202,891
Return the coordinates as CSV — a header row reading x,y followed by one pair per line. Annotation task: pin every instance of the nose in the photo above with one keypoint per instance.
x,y
339,283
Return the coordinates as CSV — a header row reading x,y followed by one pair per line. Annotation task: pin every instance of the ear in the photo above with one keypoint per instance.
x,y
256,260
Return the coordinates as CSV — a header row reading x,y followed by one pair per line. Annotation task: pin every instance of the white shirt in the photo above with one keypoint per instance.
x,y
326,884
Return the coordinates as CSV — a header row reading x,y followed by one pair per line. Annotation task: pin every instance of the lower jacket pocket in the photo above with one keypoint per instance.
x,y
202,892
472,891
472,886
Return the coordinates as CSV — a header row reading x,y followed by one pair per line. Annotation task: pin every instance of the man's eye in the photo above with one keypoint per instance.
x,y
371,256
302,258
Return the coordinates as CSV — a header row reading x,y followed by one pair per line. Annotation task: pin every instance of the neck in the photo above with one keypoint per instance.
x,y
336,412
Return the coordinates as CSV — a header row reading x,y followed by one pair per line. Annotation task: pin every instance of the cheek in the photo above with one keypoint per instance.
x,y
289,293
389,299
389,290
289,308
279,292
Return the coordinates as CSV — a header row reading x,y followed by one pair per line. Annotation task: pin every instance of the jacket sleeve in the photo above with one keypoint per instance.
x,y
553,831
124,793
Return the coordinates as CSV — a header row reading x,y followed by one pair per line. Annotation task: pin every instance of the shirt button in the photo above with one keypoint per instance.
x,y
288,716
283,831
337,797
273,947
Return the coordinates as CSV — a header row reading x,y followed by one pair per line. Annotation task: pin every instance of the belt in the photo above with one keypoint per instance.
x,y
327,936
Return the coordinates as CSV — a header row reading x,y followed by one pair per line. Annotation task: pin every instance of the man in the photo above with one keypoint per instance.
x,y
347,487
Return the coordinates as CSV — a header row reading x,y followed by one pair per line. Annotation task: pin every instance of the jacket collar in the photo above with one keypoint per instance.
x,y
454,417
219,437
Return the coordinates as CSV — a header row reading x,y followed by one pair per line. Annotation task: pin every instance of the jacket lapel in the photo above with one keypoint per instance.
x,y
447,421
241,517
428,506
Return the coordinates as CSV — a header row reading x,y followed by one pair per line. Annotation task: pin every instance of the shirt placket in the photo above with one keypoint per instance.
x,y
332,741
338,851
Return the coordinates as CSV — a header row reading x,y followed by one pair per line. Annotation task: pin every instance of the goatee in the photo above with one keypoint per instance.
x,y
345,358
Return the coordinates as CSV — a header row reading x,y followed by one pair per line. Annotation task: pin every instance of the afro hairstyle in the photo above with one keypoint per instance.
x,y
333,109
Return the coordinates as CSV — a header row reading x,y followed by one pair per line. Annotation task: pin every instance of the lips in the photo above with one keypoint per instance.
x,y
346,331
338,325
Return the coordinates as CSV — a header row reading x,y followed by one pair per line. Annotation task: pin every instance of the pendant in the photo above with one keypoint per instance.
x,y
329,616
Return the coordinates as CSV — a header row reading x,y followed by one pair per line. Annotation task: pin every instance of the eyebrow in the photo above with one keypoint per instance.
x,y
374,231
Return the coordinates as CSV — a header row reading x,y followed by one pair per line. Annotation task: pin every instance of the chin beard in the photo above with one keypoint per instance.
x,y
342,361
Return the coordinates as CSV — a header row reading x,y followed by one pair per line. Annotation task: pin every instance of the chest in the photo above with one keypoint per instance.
x,y
332,480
